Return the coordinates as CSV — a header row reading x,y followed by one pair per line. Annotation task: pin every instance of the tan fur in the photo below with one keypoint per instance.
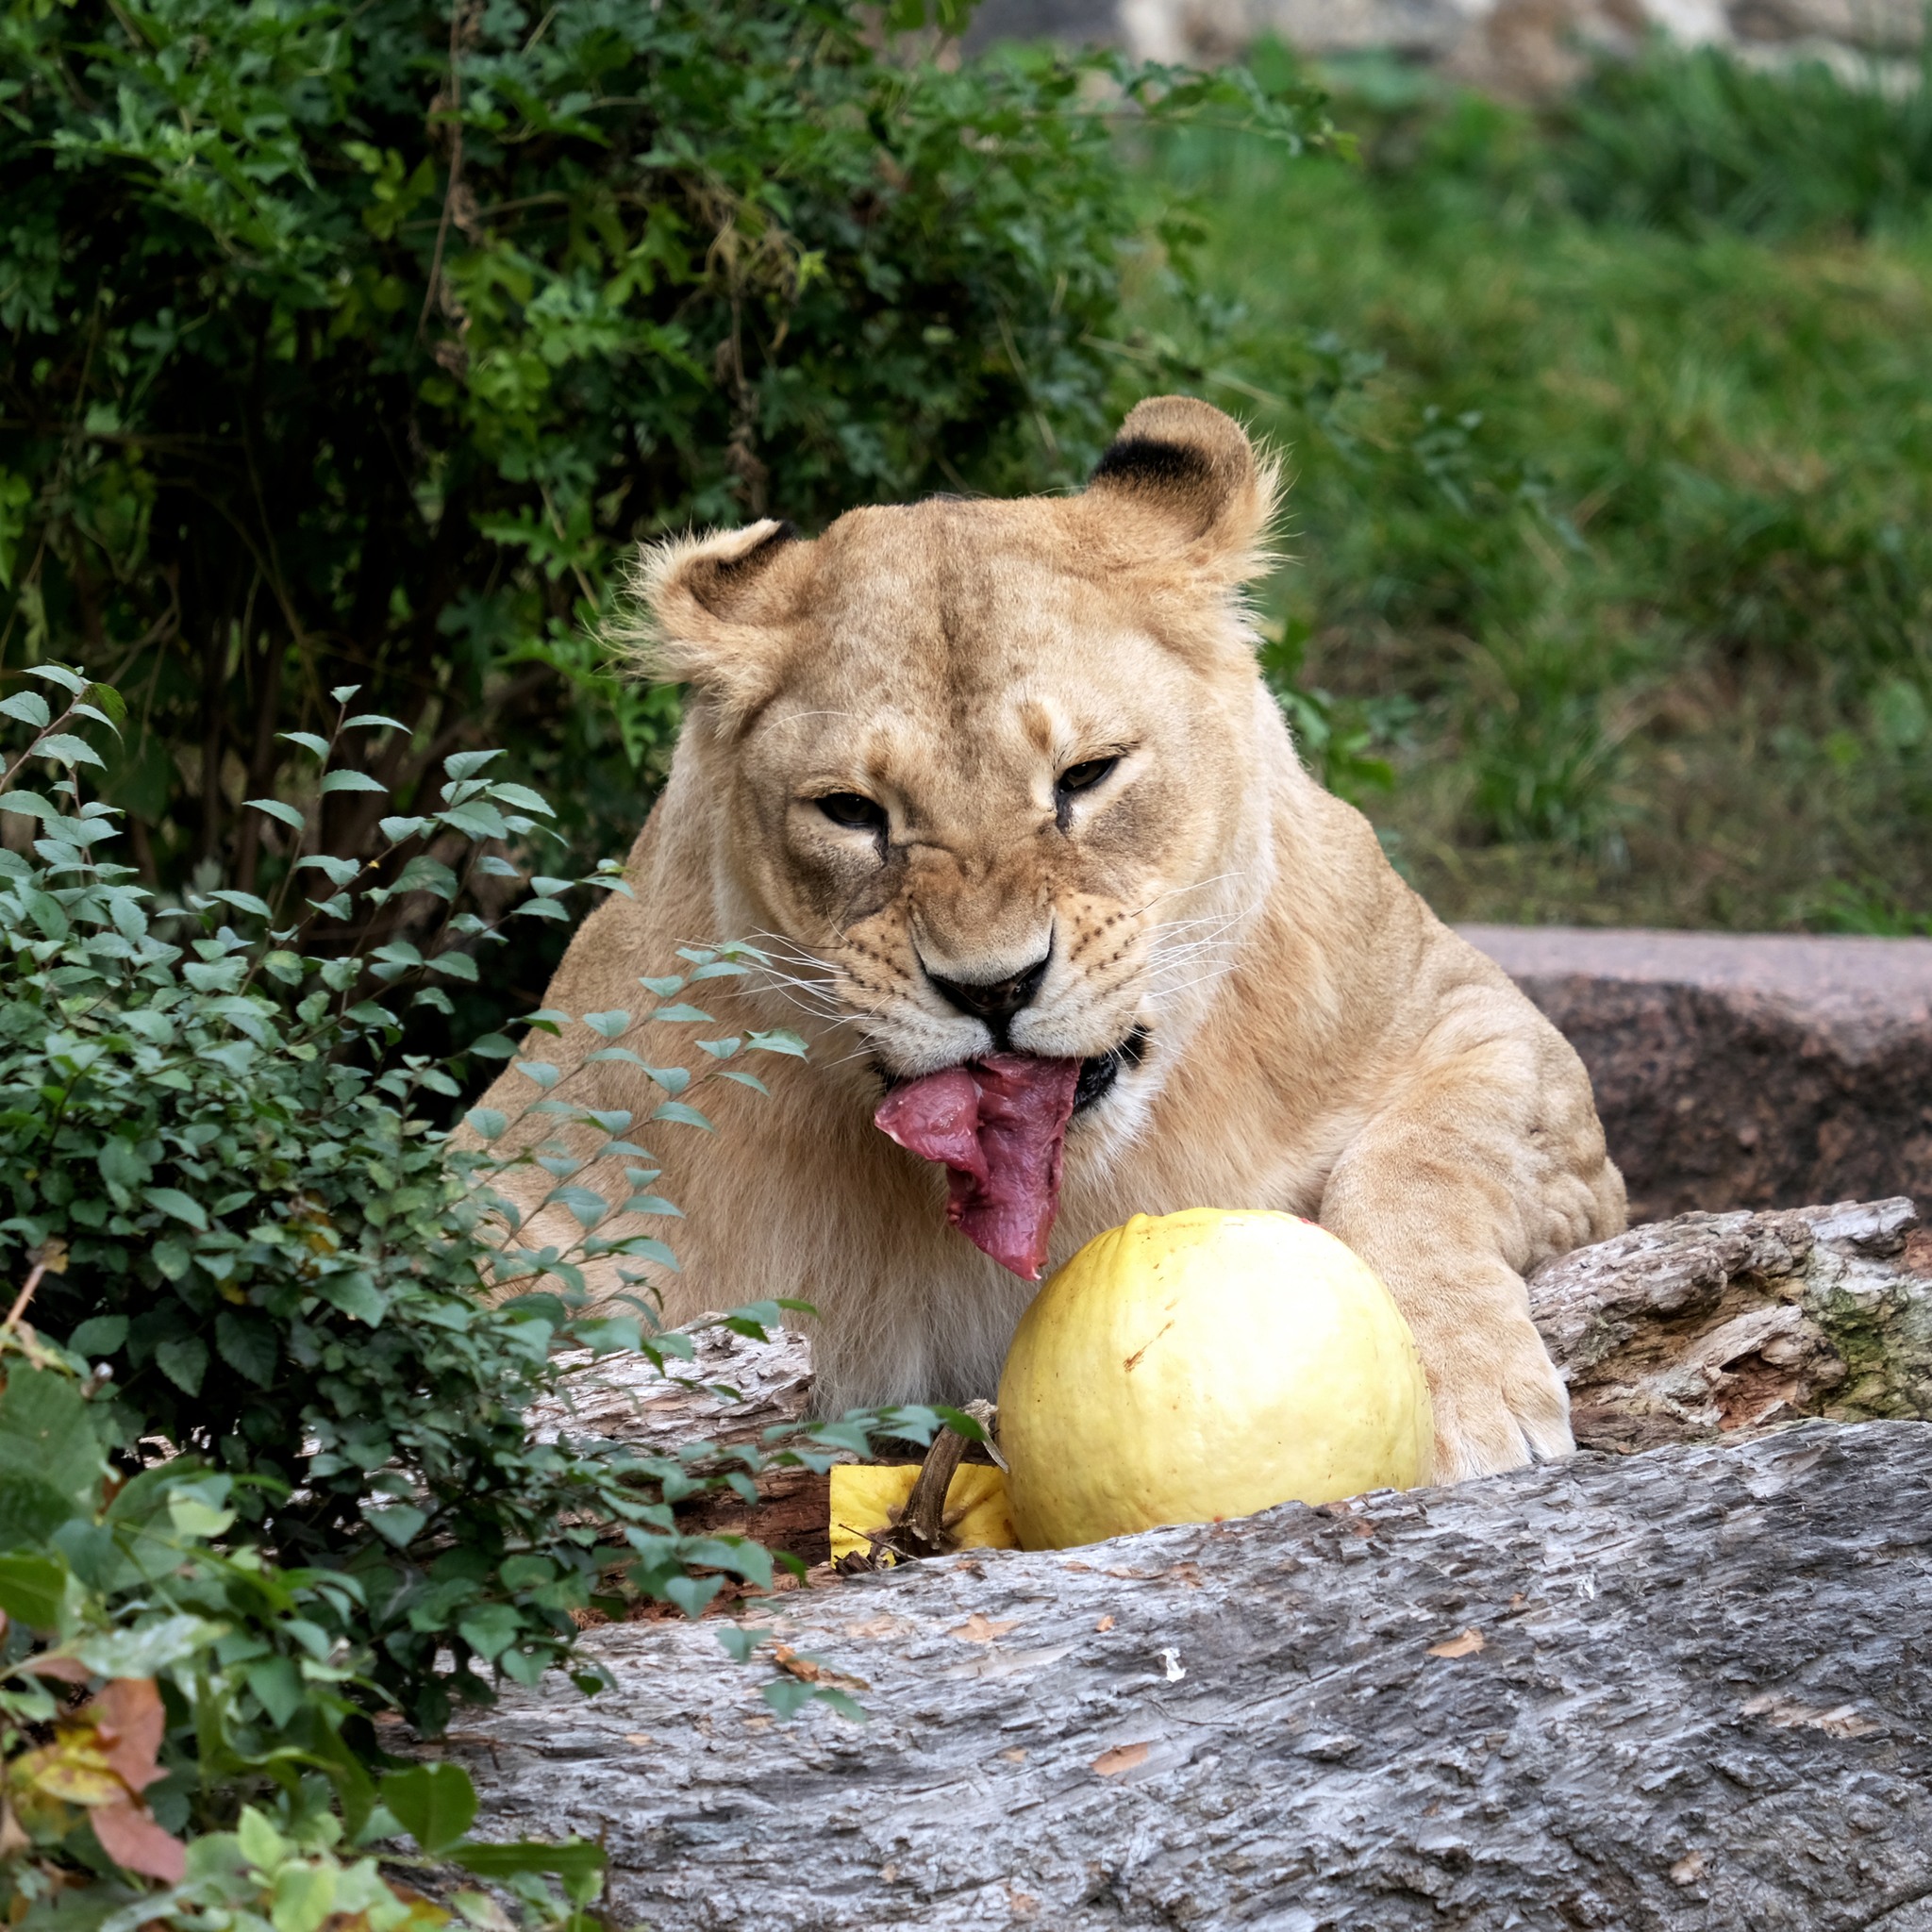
x,y
1319,1041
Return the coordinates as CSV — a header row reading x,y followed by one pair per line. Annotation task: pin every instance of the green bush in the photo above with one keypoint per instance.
x,y
265,1443
356,342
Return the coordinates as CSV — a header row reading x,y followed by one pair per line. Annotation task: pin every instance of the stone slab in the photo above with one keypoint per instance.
x,y
1743,1069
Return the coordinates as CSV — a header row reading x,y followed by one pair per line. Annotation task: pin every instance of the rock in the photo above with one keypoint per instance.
x,y
1735,1071
1682,1690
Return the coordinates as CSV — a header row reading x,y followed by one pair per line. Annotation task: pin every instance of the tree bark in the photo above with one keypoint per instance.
x,y
1695,1329
1682,1690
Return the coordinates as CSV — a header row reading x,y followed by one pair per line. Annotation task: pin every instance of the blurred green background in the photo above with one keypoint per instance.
x,y
1611,432
363,343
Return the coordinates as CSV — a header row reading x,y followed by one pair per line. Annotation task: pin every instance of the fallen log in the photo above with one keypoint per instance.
x,y
1684,1331
1688,1689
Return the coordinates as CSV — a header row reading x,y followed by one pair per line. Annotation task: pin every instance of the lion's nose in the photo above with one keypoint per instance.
x,y
995,1001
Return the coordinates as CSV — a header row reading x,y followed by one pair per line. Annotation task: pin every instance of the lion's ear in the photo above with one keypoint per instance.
x,y
1188,480
712,611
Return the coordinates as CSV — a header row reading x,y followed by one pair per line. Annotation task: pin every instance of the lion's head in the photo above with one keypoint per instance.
x,y
982,772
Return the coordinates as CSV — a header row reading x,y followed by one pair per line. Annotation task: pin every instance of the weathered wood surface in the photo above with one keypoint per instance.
x,y
1681,1331
1690,1689
1693,1328
624,1398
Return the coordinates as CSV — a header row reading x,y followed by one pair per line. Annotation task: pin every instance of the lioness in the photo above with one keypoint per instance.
x,y
999,788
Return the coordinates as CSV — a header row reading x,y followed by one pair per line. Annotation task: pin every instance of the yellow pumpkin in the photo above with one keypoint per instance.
x,y
1195,1366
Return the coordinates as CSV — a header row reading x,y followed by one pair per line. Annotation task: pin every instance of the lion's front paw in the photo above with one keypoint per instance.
x,y
1499,1403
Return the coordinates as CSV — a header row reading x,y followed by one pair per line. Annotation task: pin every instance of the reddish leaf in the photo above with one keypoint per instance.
x,y
137,1844
69,1670
129,1716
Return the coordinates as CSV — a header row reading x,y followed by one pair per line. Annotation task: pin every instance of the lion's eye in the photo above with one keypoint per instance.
x,y
852,808
1086,775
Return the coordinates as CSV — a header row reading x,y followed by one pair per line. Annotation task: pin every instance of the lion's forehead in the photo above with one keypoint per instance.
x,y
960,597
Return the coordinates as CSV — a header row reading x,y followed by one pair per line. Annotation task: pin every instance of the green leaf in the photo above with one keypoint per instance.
x,y
692,1593
70,681
682,1112
250,1346
587,1207
351,781
241,902
433,1803
29,708
98,1336
573,1859
609,1025
400,1524
355,1294
486,1122
456,965
307,740
787,1696
522,797
184,1361
476,819
33,1589
426,875
489,1630
68,750
173,1201
373,721
277,1685
193,1515
779,1040
641,1247
338,872
286,814
466,764
111,702
50,1460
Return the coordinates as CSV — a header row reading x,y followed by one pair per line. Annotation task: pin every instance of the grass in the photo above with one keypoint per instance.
x,y
1612,514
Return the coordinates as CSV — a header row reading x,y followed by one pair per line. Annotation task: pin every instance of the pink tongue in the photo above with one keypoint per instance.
x,y
999,1124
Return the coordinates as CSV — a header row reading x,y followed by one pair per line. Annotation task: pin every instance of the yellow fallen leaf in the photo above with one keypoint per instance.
x,y
980,1628
73,1768
1466,1645
870,1497
810,1671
